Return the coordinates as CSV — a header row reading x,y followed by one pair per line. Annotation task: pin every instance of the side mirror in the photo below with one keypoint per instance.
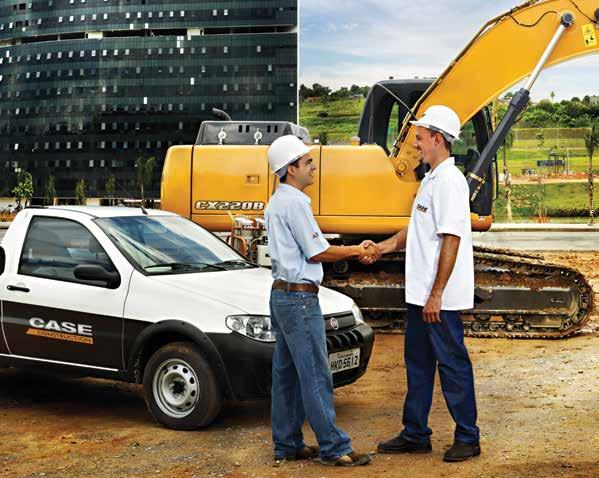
x,y
94,272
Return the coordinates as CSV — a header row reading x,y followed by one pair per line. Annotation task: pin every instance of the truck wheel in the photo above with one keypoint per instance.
x,y
180,388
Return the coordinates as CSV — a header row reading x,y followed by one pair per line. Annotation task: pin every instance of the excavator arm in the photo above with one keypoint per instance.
x,y
509,48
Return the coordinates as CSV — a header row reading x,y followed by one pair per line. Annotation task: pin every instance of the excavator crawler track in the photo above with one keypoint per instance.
x,y
517,295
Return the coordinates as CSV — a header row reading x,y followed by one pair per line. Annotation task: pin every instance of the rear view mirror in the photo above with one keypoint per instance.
x,y
94,272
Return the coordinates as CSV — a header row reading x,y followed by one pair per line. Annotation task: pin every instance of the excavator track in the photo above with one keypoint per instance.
x,y
517,295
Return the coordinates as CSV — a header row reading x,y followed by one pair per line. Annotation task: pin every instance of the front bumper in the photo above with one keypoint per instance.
x,y
248,362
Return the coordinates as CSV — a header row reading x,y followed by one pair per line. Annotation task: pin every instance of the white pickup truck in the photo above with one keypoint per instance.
x,y
150,297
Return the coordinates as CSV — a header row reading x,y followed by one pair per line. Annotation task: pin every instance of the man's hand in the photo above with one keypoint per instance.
x,y
431,313
370,253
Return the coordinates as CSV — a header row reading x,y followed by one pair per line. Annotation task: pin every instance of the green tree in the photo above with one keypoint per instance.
x,y
23,191
305,92
323,137
321,91
110,189
591,142
355,90
508,143
81,192
541,138
342,92
50,191
145,168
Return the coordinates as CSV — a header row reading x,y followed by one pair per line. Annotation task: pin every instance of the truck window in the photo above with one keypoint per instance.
x,y
153,243
54,247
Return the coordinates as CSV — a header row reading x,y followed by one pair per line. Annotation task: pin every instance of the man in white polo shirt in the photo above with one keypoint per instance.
x,y
439,283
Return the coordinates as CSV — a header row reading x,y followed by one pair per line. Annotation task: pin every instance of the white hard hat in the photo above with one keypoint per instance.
x,y
442,120
283,151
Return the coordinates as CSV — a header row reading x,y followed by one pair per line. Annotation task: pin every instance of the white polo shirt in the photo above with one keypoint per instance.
x,y
441,206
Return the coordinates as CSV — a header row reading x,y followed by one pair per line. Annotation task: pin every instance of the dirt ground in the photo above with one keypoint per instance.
x,y
538,404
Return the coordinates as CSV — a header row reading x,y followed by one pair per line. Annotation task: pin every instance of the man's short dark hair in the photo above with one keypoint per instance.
x,y
295,164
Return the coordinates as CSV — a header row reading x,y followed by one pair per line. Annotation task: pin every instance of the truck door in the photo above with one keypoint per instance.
x,y
49,314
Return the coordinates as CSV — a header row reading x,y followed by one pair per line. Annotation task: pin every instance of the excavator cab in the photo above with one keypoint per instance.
x,y
383,115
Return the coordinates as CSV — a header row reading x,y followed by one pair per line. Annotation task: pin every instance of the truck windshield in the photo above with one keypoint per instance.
x,y
170,245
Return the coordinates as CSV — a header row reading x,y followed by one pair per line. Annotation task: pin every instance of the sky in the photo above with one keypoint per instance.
x,y
362,41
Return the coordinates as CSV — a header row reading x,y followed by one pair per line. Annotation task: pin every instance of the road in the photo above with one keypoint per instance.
x,y
530,241
537,402
539,240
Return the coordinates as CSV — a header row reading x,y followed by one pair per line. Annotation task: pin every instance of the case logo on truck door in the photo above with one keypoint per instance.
x,y
229,205
68,331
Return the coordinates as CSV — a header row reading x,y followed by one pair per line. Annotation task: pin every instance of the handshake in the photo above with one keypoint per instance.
x,y
369,252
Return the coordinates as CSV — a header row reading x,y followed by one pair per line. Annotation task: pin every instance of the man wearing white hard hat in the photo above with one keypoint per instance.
x,y
439,284
302,384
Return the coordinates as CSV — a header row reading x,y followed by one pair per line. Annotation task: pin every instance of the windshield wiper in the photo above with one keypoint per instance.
x,y
236,262
179,266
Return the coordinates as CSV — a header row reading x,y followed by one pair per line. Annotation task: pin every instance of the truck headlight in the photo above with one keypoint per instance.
x,y
257,327
359,318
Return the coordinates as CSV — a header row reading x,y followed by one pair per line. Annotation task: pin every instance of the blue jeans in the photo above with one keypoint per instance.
x,y
429,345
302,383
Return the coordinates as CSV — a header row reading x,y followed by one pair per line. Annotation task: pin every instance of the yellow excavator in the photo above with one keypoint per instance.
x,y
366,189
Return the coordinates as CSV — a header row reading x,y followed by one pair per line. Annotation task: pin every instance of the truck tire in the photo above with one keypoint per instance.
x,y
180,387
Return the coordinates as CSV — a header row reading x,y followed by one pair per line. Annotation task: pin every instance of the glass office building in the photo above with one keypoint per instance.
x,y
88,86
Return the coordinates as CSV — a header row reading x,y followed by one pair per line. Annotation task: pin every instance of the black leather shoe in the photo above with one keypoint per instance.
x,y
401,445
461,451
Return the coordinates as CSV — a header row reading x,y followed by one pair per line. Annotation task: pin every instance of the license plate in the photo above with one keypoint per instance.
x,y
345,360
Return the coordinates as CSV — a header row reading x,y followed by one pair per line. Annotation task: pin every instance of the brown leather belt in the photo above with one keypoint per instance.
x,y
290,287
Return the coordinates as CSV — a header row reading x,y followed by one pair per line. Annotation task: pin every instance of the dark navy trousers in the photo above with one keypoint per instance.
x,y
426,347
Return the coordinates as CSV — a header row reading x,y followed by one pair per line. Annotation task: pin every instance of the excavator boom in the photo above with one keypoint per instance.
x,y
505,51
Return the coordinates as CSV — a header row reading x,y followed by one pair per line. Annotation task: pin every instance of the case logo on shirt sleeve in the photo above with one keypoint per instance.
x,y
315,235
422,208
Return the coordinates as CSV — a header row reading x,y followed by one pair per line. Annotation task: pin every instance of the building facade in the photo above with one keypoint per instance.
x,y
89,86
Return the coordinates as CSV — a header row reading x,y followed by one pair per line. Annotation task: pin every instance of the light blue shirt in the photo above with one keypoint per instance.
x,y
293,237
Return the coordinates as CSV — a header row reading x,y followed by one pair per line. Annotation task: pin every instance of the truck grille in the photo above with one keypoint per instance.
x,y
336,322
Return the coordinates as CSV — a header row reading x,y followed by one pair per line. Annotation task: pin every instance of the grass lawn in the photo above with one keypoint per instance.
x,y
518,159
564,200
341,122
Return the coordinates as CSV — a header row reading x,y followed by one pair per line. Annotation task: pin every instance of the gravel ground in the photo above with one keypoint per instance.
x,y
538,406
